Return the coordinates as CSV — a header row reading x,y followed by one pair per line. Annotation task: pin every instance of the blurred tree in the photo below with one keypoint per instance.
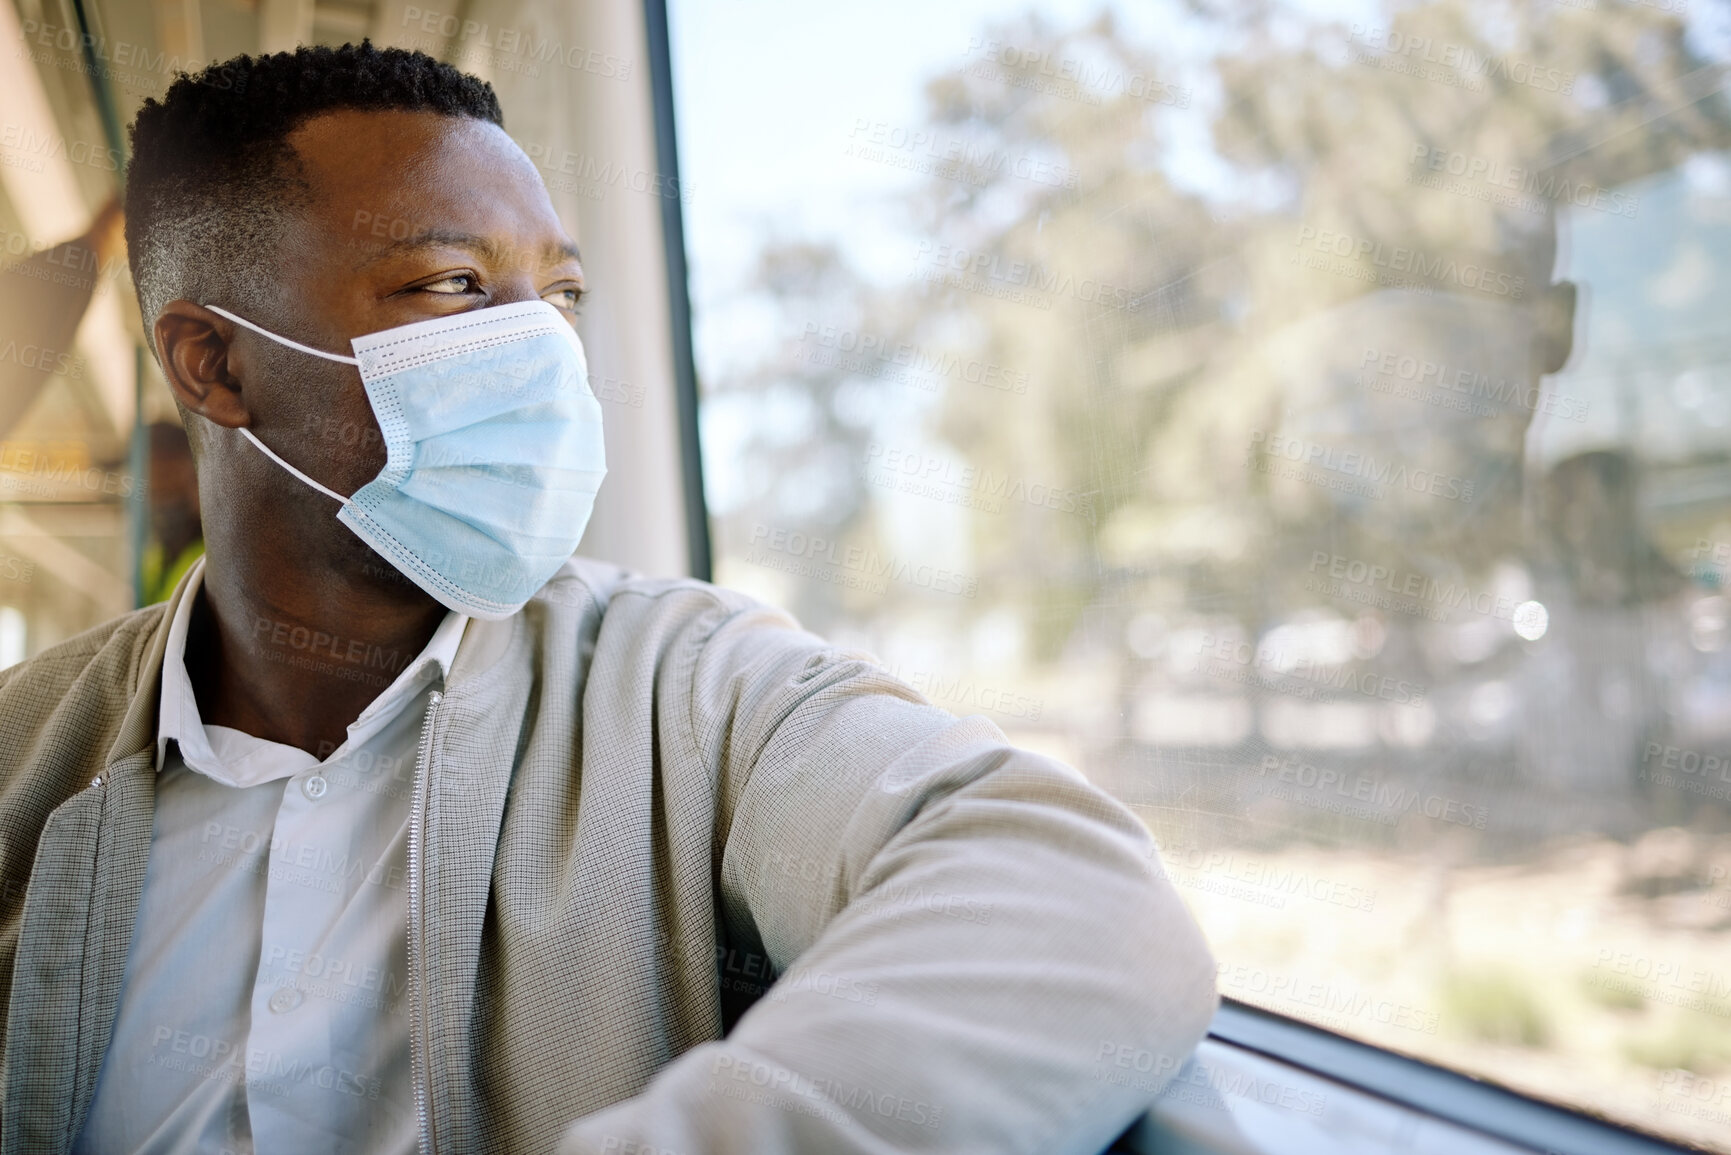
x,y
1167,337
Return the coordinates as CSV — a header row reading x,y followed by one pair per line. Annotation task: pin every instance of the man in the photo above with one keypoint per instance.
x,y
382,833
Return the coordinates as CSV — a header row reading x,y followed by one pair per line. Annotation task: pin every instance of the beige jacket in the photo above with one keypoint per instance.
x,y
637,804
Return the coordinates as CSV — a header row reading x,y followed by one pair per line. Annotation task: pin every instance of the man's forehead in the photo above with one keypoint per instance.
x,y
393,182
391,145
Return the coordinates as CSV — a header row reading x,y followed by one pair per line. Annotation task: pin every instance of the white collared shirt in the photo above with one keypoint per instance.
x,y
263,1008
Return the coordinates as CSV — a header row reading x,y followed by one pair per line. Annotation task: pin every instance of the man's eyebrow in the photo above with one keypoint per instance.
x,y
487,247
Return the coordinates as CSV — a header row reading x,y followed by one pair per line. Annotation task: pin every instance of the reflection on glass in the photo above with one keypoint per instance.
x,y
1313,425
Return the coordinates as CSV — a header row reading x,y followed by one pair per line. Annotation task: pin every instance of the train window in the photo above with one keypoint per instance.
x,y
1310,420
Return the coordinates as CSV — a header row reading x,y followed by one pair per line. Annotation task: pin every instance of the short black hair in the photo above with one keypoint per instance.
x,y
212,171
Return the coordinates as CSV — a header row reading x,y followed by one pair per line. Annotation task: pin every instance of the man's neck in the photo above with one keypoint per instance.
x,y
297,663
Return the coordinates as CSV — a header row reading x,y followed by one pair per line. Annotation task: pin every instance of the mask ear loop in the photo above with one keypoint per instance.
x,y
265,449
248,434
283,340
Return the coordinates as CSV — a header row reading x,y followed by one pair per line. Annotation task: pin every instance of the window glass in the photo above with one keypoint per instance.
x,y
1312,422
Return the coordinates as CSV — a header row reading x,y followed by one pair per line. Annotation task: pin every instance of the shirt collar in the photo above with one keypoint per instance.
x,y
224,754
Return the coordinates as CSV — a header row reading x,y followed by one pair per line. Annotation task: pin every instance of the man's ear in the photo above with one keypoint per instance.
x,y
192,344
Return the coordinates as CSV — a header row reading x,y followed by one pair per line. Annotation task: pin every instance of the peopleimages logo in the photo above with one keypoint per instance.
x,y
595,175
1367,472
113,61
1463,59
878,355
1332,1000
1664,980
928,475
1269,883
1451,387
970,694
1416,262
929,152
1687,770
1543,184
1406,592
1203,1085
855,567
1021,281
1327,788
514,44
1690,1094
27,143
1070,77
42,359
1298,675
57,262
47,468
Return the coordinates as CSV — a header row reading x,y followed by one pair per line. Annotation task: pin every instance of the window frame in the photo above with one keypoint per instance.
x,y
1489,1109
660,53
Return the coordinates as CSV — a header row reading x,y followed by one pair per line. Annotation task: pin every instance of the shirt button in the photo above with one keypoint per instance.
x,y
315,787
285,1000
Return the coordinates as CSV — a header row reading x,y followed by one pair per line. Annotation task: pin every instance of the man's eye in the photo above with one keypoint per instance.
x,y
563,298
457,283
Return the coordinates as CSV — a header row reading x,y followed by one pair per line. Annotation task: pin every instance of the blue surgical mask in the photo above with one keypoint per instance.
x,y
493,451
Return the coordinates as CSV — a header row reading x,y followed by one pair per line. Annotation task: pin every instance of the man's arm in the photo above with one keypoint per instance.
x,y
979,952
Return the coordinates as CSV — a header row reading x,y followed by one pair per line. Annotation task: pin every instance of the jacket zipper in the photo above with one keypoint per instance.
x,y
419,1060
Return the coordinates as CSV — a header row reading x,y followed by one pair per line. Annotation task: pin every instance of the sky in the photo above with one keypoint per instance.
x,y
767,92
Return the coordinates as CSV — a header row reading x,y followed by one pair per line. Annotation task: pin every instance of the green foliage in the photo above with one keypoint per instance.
x,y
1694,1042
1612,995
1494,1006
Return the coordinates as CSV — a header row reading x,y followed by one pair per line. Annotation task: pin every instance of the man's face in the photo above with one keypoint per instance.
x,y
413,216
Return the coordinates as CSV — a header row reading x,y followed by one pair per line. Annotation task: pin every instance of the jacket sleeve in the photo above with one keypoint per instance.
x,y
977,949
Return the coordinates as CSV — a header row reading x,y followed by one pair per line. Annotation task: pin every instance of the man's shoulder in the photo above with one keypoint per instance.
x,y
603,589
681,619
112,648
71,697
